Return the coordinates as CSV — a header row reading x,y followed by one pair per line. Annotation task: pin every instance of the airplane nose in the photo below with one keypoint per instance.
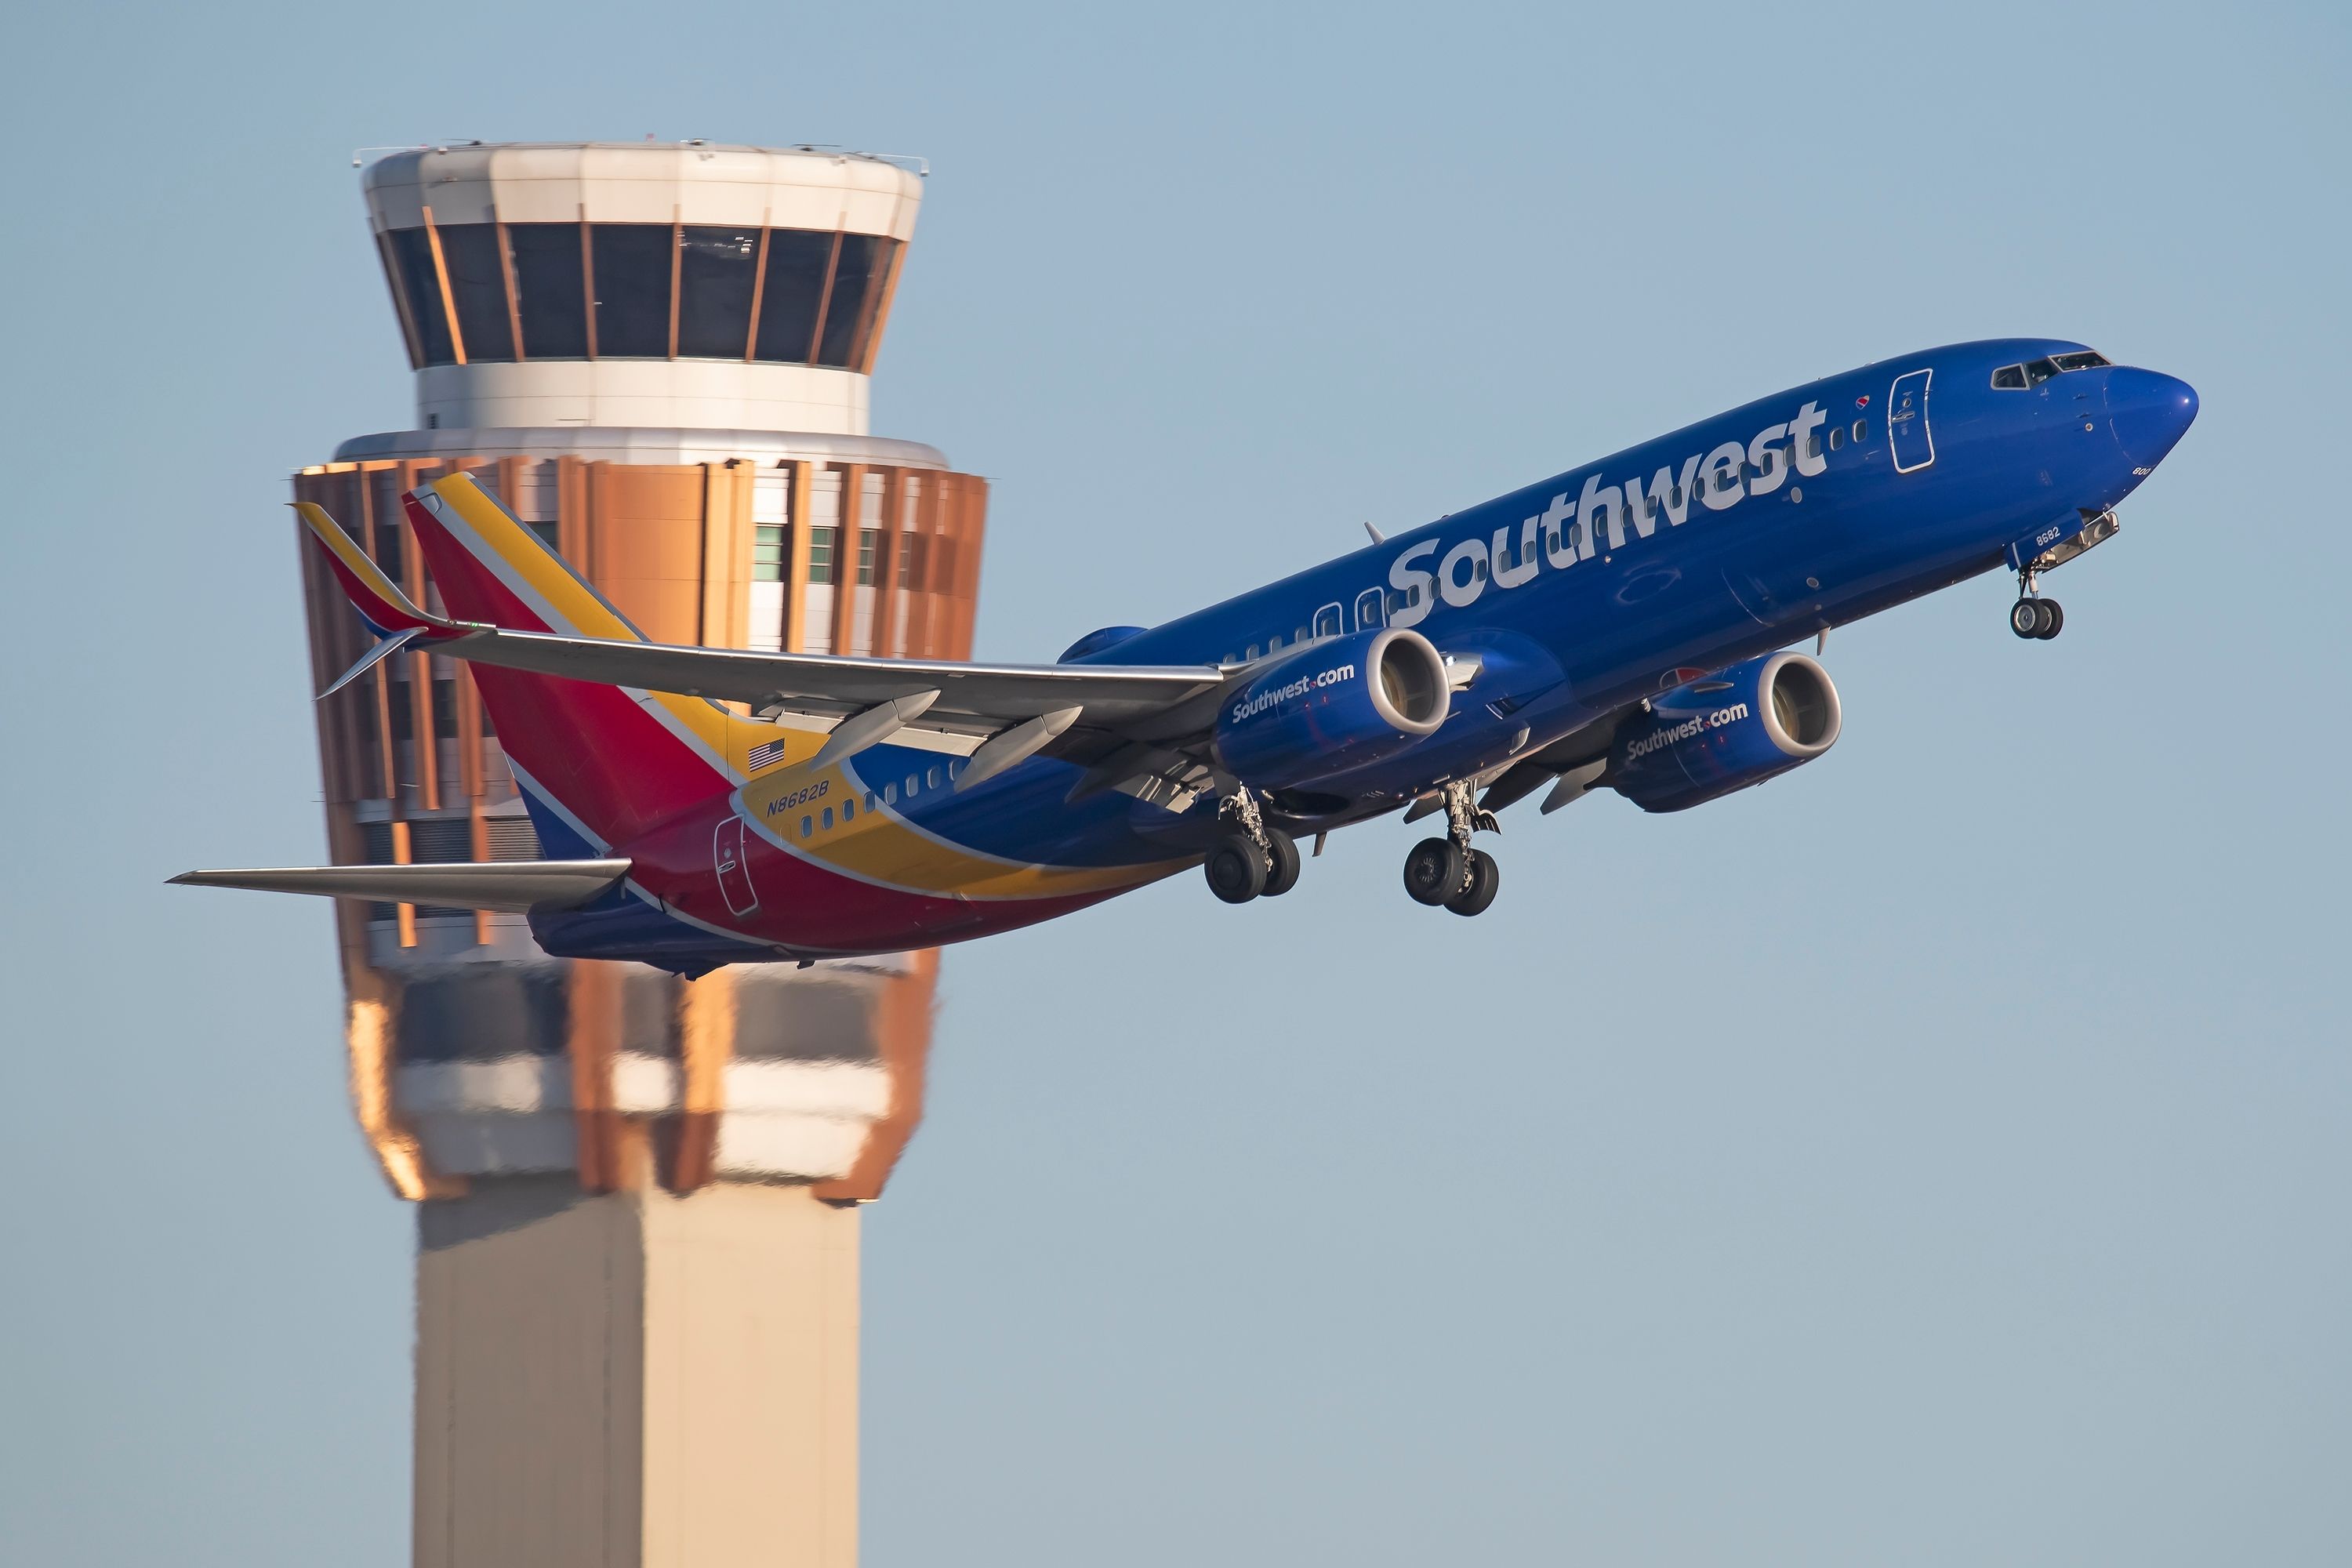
x,y
2149,412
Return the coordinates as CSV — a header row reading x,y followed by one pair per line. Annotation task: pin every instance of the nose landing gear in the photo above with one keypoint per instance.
x,y
1447,872
2032,616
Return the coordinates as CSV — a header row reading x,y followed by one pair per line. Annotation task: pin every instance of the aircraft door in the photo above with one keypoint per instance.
x,y
1907,435
727,862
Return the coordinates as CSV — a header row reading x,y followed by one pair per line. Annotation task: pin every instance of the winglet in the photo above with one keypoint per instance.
x,y
377,597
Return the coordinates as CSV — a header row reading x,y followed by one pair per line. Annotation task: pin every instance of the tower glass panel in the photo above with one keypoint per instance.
x,y
550,290
631,269
856,278
716,269
797,259
477,283
412,259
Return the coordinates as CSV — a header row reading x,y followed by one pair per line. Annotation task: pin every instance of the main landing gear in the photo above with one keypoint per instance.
x,y
1255,860
2033,616
1446,870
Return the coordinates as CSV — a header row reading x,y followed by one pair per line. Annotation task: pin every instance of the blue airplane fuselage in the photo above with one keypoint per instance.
x,y
1610,583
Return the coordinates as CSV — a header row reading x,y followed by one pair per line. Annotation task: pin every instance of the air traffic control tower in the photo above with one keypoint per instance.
x,y
637,1227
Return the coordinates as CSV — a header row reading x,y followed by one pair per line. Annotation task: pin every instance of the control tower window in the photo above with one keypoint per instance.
x,y
550,291
857,289
477,284
798,261
716,269
631,266
411,256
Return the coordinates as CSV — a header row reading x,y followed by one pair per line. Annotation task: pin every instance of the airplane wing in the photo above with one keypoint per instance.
x,y
1137,701
516,886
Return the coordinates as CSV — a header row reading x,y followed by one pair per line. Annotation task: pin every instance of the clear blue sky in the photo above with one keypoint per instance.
x,y
1829,1176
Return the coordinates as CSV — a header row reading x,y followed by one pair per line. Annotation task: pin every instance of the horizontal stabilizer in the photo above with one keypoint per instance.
x,y
510,885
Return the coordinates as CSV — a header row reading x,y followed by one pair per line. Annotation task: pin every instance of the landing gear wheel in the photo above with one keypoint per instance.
x,y
1236,870
1433,871
2054,619
1282,873
1485,880
2025,619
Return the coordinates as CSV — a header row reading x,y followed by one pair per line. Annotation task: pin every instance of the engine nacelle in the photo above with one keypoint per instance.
x,y
1333,705
1734,728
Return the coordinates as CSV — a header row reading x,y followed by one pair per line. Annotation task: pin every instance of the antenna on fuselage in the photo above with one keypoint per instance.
x,y
1378,537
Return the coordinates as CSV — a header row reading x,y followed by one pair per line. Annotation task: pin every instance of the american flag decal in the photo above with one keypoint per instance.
x,y
765,755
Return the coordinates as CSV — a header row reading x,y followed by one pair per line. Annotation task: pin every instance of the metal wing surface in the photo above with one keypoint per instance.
x,y
1147,702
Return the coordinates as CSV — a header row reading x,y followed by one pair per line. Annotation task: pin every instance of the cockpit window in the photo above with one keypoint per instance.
x,y
2034,372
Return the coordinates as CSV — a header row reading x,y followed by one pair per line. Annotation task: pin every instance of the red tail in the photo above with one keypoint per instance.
x,y
609,760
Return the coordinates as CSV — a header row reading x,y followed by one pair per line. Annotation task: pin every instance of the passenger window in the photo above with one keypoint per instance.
x,y
913,786
890,793
1298,637
1837,438
1273,645
828,819
869,800
1251,655
848,811
1862,429
933,778
1813,444
807,827
1369,604
2009,378
1675,497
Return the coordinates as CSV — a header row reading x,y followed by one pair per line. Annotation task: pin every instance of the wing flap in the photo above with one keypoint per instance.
x,y
515,886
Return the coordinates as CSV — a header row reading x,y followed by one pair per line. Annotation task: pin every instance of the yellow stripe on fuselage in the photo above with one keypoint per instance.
x,y
574,608
879,845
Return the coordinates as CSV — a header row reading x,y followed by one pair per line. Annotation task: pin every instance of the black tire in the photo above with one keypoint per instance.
x,y
2054,619
1282,871
2025,619
1486,881
1433,872
1237,870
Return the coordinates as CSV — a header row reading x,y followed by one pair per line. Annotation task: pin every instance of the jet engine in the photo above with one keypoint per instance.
x,y
1333,705
1738,727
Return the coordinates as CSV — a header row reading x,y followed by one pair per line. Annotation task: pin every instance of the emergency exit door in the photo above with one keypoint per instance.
x,y
726,860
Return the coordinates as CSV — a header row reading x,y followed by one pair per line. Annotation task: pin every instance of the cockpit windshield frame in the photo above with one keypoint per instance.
x,y
2034,371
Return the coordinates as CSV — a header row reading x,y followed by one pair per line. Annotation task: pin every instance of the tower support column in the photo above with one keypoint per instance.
x,y
635,1379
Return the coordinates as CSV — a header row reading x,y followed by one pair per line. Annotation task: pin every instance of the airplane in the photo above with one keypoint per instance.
x,y
1627,625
